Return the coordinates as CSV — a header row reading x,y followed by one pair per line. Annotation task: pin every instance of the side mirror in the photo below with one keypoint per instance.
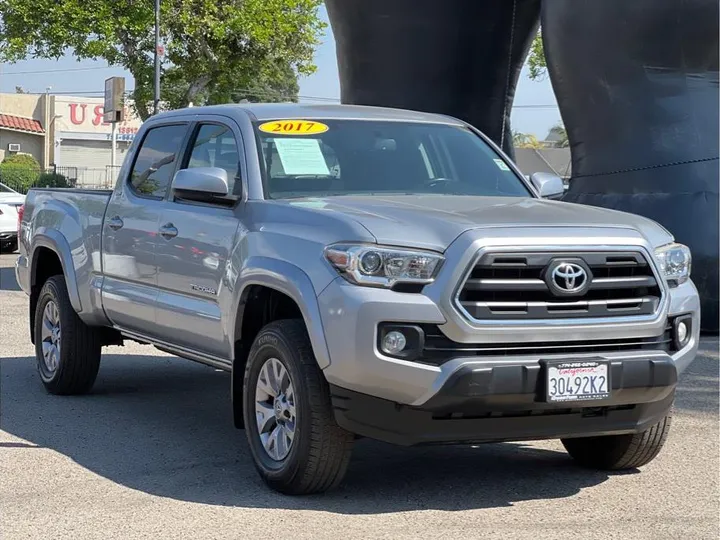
x,y
201,182
548,185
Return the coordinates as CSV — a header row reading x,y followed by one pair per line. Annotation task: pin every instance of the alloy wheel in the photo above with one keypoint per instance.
x,y
275,411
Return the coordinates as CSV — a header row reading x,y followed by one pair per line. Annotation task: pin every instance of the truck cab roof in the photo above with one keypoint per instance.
x,y
273,111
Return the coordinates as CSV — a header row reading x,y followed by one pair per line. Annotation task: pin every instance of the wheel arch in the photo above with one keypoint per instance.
x,y
270,290
46,245
51,256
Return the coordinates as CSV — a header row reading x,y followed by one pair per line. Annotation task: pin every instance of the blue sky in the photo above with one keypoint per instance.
x,y
89,76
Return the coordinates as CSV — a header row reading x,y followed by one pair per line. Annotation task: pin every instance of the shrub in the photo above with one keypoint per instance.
x,y
19,171
55,180
22,160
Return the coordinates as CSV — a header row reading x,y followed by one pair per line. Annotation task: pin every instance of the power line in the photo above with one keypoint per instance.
x,y
274,94
63,70
263,93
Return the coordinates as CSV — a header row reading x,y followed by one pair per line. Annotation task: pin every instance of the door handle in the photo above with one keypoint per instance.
x,y
115,223
168,231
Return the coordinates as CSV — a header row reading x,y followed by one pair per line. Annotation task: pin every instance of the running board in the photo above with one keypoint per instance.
x,y
182,352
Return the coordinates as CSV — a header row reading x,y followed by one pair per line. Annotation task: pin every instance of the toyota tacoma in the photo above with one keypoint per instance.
x,y
365,272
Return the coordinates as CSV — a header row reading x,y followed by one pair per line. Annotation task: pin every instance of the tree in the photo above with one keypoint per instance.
x,y
20,90
214,51
537,65
558,135
525,140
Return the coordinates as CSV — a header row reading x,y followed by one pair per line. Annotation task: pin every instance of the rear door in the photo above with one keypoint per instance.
x,y
130,231
195,244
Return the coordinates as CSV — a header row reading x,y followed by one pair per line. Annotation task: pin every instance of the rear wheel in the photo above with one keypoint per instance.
x,y
618,452
67,350
296,445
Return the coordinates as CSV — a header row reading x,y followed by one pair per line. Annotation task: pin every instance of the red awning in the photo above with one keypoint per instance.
x,y
20,123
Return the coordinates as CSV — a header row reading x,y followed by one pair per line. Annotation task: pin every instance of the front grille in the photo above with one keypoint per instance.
x,y
438,348
510,286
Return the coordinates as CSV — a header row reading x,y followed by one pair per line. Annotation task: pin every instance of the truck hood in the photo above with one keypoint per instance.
x,y
434,221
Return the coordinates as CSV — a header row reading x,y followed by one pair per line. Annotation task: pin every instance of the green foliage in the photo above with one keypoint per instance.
x,y
524,140
537,65
19,172
214,51
54,180
21,160
559,133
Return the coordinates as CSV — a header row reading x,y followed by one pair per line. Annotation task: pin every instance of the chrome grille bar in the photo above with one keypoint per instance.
x,y
511,286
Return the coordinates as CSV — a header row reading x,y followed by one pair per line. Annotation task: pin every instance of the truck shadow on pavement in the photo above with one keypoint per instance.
x,y
163,426
7,280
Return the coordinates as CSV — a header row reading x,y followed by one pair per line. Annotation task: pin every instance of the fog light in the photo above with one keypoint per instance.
x,y
682,327
682,332
394,342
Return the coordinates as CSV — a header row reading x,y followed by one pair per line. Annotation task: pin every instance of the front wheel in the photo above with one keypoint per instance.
x,y
296,445
619,452
67,350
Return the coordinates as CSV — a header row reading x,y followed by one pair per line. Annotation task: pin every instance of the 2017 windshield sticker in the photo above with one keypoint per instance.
x,y
293,127
501,164
302,156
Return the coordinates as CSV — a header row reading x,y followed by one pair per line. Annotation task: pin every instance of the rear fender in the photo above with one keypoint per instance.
x,y
56,242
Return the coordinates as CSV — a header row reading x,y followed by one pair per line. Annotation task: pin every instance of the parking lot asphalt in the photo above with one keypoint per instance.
x,y
152,453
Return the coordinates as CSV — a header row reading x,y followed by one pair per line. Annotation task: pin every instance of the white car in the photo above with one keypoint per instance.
x,y
10,201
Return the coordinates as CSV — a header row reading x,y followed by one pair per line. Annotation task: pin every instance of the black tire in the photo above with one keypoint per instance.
x,y
320,451
80,345
619,452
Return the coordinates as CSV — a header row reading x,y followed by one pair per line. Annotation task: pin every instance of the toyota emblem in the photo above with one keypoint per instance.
x,y
567,277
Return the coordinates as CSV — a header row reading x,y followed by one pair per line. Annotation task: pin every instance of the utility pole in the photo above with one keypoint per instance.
x,y
46,122
156,100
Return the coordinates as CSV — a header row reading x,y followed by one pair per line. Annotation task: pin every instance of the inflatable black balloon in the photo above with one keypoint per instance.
x,y
636,82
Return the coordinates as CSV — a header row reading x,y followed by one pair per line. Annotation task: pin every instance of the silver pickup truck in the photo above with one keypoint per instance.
x,y
365,272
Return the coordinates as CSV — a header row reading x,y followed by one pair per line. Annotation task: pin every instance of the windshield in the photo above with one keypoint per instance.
x,y
312,158
5,189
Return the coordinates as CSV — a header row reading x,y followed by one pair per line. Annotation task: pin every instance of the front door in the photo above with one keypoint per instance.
x,y
130,231
194,249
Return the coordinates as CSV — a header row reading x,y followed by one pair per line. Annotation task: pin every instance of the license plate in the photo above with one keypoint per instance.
x,y
577,381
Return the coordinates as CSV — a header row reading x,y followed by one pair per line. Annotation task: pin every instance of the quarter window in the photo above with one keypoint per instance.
x,y
155,162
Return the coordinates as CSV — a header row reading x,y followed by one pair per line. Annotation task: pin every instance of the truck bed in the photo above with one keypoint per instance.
x,y
69,223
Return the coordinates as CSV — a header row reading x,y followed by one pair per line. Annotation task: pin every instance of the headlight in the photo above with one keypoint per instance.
x,y
675,262
382,266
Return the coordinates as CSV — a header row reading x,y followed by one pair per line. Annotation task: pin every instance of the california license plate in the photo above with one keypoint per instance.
x,y
578,381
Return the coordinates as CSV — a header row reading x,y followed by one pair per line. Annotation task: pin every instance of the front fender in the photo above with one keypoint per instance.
x,y
292,281
56,242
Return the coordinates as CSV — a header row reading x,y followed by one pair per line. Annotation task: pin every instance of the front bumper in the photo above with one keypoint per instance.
x,y
496,394
350,319
494,417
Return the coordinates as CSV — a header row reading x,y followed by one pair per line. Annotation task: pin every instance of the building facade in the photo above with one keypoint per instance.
x,y
82,141
67,132
22,126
